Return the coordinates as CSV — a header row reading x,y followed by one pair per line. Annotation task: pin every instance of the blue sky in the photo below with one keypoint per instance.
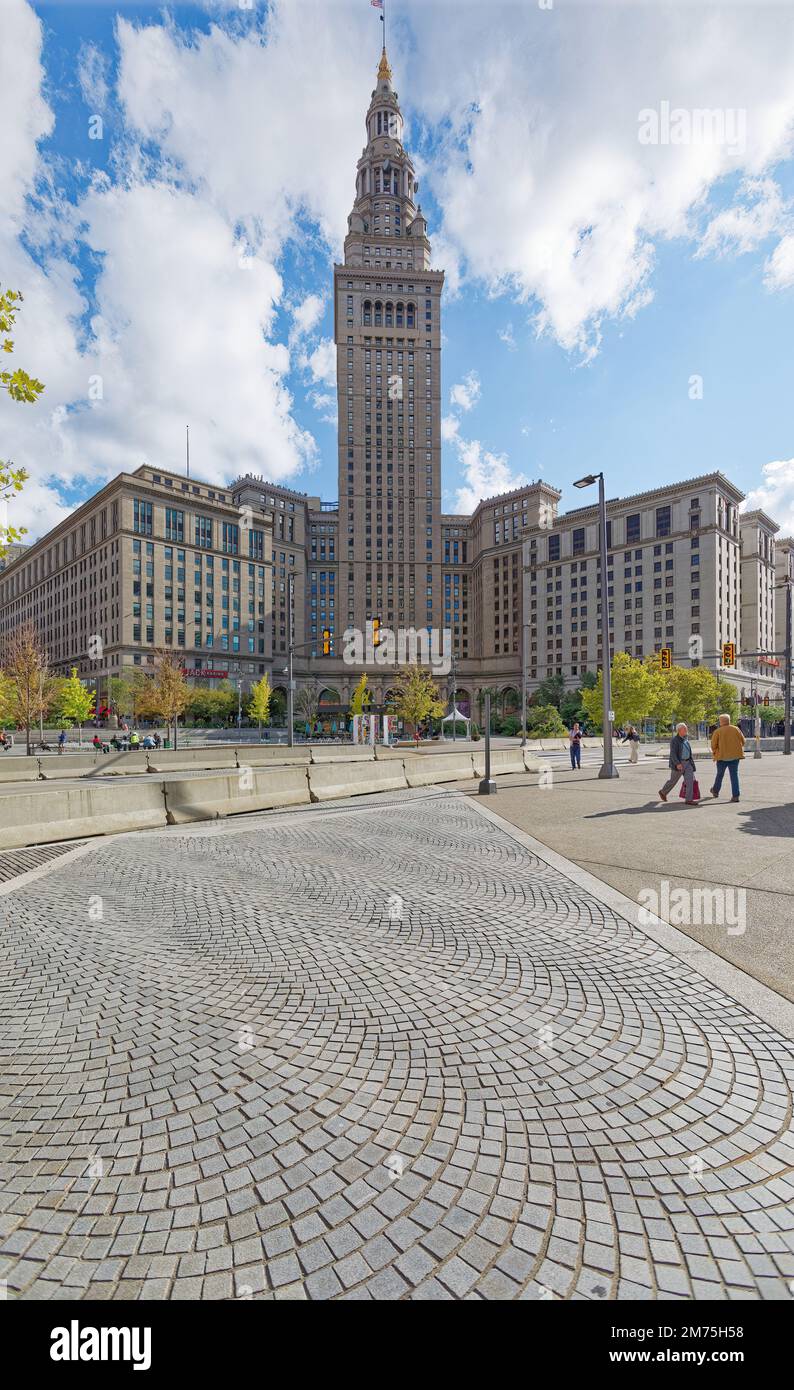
x,y
182,261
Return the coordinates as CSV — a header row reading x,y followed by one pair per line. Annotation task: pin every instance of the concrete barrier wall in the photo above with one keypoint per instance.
x,y
232,794
67,765
191,759
341,753
262,756
19,770
502,760
70,813
335,779
423,770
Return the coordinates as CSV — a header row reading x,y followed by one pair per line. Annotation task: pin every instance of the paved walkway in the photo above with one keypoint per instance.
x,y
377,1050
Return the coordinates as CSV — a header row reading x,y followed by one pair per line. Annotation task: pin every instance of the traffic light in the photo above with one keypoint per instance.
x,y
666,659
376,632
729,653
326,641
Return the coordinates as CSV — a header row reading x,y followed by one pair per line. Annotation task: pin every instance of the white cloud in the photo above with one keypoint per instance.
x,y
742,227
779,268
506,336
465,394
484,473
92,74
775,494
547,193
320,363
306,315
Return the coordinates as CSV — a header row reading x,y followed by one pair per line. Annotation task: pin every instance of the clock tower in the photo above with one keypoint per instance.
x,y
387,328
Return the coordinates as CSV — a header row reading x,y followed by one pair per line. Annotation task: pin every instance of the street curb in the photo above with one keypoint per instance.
x,y
758,998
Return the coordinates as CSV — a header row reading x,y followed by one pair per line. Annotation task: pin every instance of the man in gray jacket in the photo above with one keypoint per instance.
x,y
682,764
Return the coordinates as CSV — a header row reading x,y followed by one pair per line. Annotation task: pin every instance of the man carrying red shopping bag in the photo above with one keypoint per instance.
x,y
682,764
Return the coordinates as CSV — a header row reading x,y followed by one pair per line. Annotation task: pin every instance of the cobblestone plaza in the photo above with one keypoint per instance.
x,y
327,1054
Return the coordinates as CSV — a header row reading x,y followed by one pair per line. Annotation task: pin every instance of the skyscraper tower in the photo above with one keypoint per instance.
x,y
387,328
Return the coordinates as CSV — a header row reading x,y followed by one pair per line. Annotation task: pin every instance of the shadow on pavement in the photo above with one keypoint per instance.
x,y
768,820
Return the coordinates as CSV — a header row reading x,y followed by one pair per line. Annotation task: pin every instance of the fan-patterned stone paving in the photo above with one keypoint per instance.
x,y
379,1051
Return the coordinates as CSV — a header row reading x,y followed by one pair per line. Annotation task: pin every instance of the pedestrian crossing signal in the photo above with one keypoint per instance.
x,y
326,641
666,659
729,653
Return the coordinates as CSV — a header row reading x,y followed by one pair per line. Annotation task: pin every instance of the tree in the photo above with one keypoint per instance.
x,y
633,691
308,702
30,690
726,701
259,703
362,695
416,697
169,690
206,706
545,721
119,695
20,387
550,691
694,690
75,703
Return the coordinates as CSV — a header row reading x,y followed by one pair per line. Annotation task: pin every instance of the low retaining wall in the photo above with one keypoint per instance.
x,y
423,770
328,780
70,813
233,794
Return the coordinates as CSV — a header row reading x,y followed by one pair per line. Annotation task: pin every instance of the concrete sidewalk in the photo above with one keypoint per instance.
x,y
623,834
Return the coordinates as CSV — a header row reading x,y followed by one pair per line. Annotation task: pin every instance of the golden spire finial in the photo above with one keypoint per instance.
x,y
384,71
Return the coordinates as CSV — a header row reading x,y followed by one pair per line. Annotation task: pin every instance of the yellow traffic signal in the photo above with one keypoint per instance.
x,y
729,653
326,641
666,659
376,632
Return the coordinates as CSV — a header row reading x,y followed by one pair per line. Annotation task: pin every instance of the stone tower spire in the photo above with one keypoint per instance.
x,y
385,170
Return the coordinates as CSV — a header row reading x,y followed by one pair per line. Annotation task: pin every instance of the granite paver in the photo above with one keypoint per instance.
x,y
347,1054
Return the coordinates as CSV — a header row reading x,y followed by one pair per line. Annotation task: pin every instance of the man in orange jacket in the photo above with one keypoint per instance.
x,y
727,749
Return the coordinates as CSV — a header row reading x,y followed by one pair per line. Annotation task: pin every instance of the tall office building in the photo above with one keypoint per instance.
x,y
387,328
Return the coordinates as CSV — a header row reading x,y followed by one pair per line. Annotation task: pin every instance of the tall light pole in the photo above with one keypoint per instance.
x,y
787,691
291,650
608,768
524,686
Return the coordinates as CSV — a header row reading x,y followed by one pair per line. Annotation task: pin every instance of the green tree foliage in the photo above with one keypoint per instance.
x,y
551,691
416,696
259,702
75,702
20,387
545,721
361,697
633,692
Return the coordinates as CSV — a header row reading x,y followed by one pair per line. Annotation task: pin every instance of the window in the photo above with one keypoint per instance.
x,y
578,541
231,537
554,547
174,525
633,527
142,518
663,521
204,532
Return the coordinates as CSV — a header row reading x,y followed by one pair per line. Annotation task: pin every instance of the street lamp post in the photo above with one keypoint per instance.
x,y
787,691
608,768
291,649
524,686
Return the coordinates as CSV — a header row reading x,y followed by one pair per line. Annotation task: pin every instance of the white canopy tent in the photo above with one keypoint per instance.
x,y
457,716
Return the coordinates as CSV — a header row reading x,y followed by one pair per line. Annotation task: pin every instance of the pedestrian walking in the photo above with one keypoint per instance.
x,y
61,740
682,764
632,738
575,745
727,750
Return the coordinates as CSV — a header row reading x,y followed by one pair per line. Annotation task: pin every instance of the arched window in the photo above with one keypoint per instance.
x,y
389,314
378,313
377,180
367,311
400,315
410,311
